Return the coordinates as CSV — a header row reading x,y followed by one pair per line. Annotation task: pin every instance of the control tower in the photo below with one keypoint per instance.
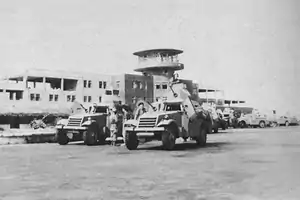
x,y
162,65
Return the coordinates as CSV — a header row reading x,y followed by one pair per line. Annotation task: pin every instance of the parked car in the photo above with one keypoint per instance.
x,y
253,120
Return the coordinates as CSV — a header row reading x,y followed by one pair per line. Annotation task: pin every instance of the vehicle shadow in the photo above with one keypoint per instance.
x,y
187,146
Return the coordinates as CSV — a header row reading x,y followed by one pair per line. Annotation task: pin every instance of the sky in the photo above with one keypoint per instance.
x,y
249,48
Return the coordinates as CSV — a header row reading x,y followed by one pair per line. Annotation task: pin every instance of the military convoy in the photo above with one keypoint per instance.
x,y
179,117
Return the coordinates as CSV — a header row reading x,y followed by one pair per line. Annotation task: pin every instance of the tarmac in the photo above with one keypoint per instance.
x,y
239,164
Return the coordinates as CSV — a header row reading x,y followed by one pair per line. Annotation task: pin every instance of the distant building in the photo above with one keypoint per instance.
x,y
134,88
53,90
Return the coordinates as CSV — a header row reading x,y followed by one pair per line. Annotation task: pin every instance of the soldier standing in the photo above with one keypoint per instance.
x,y
141,110
113,126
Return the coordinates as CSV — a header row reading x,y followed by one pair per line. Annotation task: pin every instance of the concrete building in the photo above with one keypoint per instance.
x,y
133,88
53,91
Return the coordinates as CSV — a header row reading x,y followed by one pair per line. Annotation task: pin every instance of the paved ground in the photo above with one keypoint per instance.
x,y
240,164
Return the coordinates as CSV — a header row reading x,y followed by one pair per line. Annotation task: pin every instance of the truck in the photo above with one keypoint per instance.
x,y
218,120
92,128
178,117
253,120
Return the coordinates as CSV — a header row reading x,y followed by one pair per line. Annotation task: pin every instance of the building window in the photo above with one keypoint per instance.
x,y
134,100
100,84
141,85
50,97
37,97
108,92
87,99
87,83
157,86
56,97
100,99
32,97
118,84
11,96
68,98
164,86
134,84
73,98
116,92
104,84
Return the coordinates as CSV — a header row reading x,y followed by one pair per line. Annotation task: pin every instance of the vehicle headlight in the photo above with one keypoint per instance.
x,y
129,125
89,119
166,117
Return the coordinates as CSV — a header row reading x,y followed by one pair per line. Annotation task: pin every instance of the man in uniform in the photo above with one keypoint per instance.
x,y
113,126
141,110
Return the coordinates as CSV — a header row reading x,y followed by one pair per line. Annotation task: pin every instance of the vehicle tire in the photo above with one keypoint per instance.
x,y
224,125
216,130
262,124
90,136
168,138
131,140
61,137
101,137
287,123
202,137
242,124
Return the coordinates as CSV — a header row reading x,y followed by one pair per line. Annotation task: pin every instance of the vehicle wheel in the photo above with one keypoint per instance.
x,y
242,124
262,124
106,131
131,140
216,130
90,136
225,126
202,137
168,138
61,137
101,137
287,123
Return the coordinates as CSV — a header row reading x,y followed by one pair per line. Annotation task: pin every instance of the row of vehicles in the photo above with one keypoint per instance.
x,y
256,119
179,117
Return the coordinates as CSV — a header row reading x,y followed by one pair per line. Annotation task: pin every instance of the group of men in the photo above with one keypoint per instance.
x,y
118,117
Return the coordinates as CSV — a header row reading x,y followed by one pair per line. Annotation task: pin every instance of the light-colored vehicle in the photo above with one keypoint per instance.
x,y
92,128
283,120
177,118
253,120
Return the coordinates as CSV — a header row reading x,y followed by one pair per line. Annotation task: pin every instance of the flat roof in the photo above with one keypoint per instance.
x,y
159,68
170,52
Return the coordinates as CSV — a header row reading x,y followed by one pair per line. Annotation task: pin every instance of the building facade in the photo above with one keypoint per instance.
x,y
53,91
133,88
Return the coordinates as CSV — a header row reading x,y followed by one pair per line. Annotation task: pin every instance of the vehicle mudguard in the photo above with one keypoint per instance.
x,y
165,122
130,123
59,127
88,123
